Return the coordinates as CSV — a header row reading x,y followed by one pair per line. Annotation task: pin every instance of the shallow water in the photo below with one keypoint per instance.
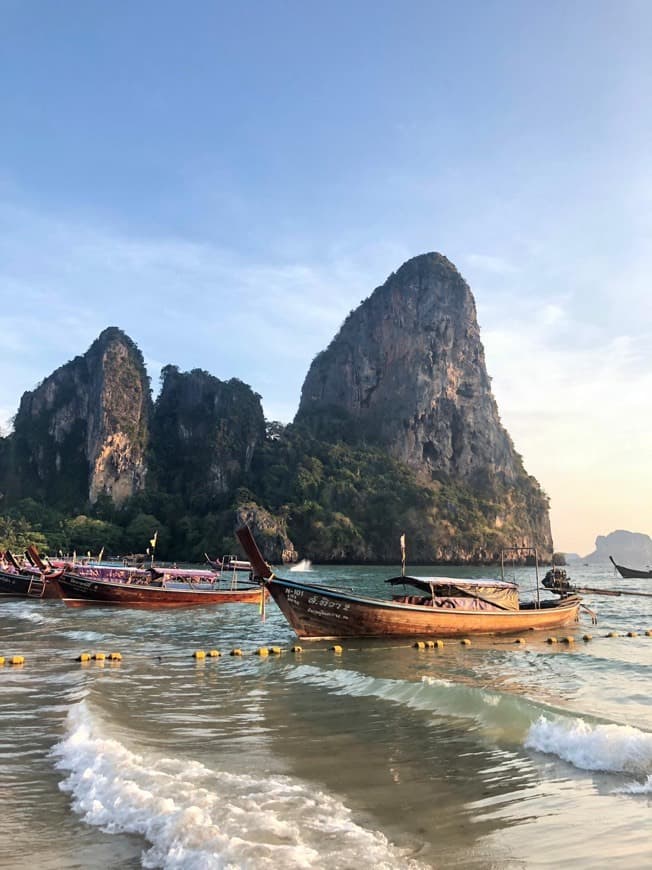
x,y
488,756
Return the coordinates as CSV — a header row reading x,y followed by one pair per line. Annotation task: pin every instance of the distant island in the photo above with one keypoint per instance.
x,y
633,549
397,432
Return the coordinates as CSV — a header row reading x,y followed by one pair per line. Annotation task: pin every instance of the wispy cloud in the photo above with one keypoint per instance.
x,y
571,366
183,302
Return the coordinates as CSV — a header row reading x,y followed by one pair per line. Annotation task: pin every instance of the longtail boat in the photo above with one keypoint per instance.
x,y
18,581
444,607
153,592
130,574
229,564
630,573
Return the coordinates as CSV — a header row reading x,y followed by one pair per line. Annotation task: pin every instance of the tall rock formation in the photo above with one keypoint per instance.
x,y
204,434
407,371
633,549
84,430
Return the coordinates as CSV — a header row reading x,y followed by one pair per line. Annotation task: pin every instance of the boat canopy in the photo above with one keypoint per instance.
x,y
498,592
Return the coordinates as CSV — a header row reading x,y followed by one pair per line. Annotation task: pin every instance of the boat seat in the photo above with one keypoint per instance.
x,y
412,599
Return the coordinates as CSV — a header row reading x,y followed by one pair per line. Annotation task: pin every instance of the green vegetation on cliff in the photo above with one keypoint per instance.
x,y
91,464
338,502
348,502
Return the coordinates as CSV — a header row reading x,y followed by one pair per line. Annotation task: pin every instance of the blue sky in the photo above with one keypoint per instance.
x,y
225,182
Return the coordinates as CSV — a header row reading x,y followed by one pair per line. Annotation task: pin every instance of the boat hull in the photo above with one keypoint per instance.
x,y
315,612
631,573
17,585
78,591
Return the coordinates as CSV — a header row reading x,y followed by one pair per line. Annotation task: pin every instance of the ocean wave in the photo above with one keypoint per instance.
x,y
609,748
503,717
197,819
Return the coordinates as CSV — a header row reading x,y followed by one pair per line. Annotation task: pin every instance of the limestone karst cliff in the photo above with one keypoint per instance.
x,y
397,432
633,549
84,430
407,372
204,433
408,369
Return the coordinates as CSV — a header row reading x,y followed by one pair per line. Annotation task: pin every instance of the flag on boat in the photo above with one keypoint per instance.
x,y
403,552
152,541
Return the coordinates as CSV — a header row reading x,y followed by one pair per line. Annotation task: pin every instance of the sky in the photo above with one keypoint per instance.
x,y
226,181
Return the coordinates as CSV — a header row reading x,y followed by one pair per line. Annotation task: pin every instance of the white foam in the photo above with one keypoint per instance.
x,y
610,748
26,612
637,787
198,819
303,565
84,635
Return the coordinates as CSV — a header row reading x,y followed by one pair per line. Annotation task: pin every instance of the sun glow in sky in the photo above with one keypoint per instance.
x,y
225,182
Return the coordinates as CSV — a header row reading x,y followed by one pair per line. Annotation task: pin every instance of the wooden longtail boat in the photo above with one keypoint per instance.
x,y
633,573
229,564
451,607
78,591
19,582
128,574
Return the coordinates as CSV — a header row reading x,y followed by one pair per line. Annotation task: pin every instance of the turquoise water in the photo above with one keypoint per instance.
x,y
487,756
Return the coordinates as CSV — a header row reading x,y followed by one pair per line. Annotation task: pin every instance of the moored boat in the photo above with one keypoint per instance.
x,y
229,564
445,607
153,592
630,573
17,581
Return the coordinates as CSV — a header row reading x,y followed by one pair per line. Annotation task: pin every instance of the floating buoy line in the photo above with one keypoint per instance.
x,y
200,655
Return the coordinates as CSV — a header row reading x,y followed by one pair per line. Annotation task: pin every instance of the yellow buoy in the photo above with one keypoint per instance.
x,y
276,650
199,654
84,657
419,644
2,660
439,644
99,656
337,649
648,633
17,660
262,651
430,644
236,652
568,639
520,640
632,634
297,649
465,641
613,634
214,653
115,657
587,637
551,640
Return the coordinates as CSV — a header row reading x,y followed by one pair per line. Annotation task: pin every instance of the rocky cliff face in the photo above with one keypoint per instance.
x,y
632,549
83,431
407,371
204,433
270,532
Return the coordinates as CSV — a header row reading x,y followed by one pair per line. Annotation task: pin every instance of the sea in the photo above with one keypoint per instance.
x,y
493,754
